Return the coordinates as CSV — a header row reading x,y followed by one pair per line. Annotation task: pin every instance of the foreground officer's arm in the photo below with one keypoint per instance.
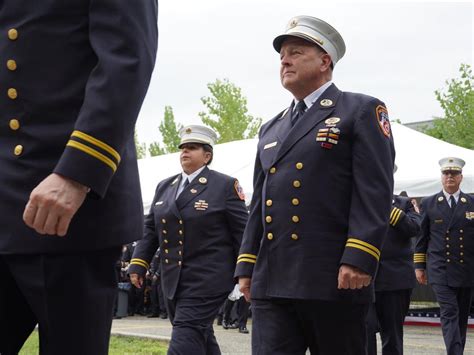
x,y
405,220
123,34
372,165
419,257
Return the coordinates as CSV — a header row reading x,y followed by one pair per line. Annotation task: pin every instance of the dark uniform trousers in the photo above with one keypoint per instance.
x,y
312,210
34,288
192,320
445,249
395,279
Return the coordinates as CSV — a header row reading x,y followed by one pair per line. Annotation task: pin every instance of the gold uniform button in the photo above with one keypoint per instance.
x,y
273,170
299,166
166,241
269,203
295,219
11,64
294,236
180,263
447,253
295,202
180,253
12,34
270,236
165,231
461,231
167,261
460,238
180,232
461,261
296,183
14,124
18,150
447,238
180,221
166,251
461,246
12,93
448,260
447,245
461,253
163,220
268,219
180,242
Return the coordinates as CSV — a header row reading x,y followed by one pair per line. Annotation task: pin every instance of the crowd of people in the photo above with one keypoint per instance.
x,y
324,250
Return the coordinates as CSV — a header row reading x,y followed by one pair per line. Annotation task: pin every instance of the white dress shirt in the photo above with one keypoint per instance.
x,y
189,177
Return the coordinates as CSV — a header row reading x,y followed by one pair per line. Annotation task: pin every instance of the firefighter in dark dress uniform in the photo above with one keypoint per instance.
x,y
197,220
395,279
322,195
73,77
444,254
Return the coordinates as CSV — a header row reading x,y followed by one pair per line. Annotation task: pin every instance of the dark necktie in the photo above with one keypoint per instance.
x,y
186,183
452,203
298,112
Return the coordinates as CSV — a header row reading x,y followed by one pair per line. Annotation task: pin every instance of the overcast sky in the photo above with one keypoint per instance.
x,y
400,52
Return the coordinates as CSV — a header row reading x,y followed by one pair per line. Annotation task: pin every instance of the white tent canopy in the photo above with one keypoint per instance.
x,y
417,157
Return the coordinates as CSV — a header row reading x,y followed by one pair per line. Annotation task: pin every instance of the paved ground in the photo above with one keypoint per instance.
x,y
418,340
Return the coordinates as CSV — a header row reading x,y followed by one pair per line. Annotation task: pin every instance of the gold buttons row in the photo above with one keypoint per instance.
x,y
12,34
293,236
179,262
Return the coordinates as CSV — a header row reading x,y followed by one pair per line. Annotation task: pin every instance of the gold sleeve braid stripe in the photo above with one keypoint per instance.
x,y
98,143
364,246
249,258
419,258
140,262
395,216
92,152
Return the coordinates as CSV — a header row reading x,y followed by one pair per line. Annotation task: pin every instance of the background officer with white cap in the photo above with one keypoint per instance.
x,y
323,185
395,279
444,253
197,218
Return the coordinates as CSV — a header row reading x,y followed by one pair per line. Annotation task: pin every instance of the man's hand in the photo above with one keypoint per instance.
x,y
352,277
52,205
136,280
421,276
244,287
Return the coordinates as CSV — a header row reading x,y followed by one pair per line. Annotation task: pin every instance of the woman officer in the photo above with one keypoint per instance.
x,y
197,218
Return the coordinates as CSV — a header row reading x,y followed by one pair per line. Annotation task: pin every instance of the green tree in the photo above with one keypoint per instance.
x,y
154,149
229,107
170,131
140,147
457,101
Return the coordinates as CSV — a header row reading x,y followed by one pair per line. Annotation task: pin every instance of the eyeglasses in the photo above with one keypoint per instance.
x,y
452,172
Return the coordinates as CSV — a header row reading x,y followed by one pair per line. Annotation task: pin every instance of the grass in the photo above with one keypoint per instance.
x,y
119,345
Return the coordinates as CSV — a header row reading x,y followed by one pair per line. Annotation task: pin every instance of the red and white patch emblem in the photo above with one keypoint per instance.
x,y
383,120
239,190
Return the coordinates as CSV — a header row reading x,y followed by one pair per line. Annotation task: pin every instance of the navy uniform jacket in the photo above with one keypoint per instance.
x,y
446,243
322,197
396,270
73,77
199,235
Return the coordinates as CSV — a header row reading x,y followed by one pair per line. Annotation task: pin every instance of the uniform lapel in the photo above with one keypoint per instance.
x,y
284,124
443,206
195,188
171,198
320,110
460,210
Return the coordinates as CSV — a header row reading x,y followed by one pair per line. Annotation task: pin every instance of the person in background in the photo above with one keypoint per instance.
x,y
197,219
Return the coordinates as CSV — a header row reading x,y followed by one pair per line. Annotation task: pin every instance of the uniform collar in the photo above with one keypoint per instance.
x,y
191,177
456,195
311,98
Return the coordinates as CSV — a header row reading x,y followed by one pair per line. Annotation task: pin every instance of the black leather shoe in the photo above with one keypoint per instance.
x,y
153,315
243,330
163,315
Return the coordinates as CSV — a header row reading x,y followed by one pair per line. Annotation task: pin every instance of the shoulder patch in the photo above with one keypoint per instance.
x,y
239,190
383,120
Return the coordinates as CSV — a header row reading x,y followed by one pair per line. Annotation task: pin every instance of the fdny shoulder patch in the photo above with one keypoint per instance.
x,y
239,190
383,120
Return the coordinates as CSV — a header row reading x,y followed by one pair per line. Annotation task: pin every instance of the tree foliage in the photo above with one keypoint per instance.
x,y
227,112
140,147
457,101
155,149
170,131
